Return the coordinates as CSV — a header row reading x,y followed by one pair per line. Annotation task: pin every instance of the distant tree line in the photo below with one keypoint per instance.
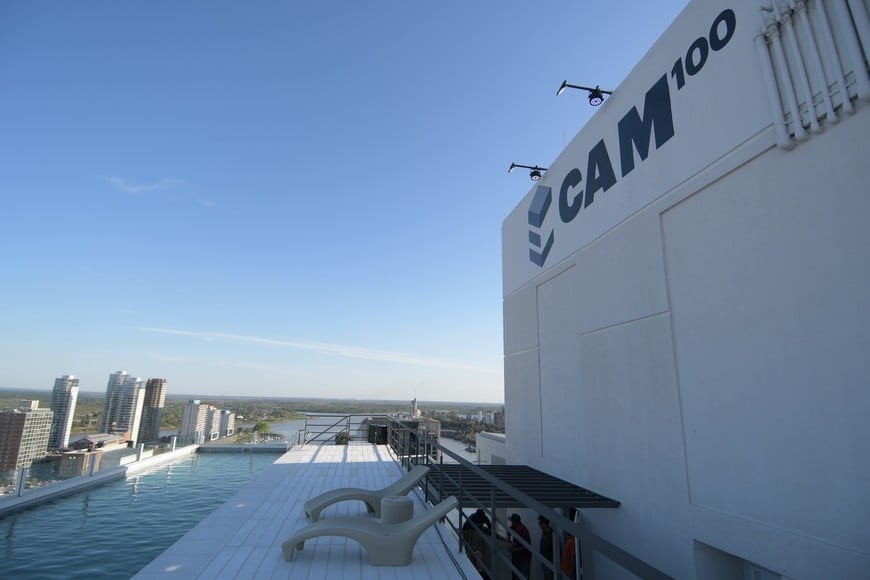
x,y
266,410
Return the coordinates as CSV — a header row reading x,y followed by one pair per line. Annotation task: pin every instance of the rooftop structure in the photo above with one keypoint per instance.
x,y
98,441
79,463
687,299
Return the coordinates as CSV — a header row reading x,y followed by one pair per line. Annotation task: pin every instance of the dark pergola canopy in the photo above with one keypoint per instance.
x,y
549,490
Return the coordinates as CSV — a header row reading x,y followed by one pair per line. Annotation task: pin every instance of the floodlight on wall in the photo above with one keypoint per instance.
x,y
596,95
534,174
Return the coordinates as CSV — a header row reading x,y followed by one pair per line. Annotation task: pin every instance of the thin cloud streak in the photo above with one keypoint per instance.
x,y
123,187
181,359
322,348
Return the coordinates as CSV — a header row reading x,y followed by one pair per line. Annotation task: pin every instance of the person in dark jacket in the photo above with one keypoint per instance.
x,y
480,520
546,546
521,557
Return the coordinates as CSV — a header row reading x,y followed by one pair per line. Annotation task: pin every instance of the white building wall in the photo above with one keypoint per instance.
x,y
695,343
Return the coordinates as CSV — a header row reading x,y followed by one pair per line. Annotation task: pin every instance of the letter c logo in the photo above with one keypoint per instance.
x,y
569,210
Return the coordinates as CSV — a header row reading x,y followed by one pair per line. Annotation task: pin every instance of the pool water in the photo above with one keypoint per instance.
x,y
114,530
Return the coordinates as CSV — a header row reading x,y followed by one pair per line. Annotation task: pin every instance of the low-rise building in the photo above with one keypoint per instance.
x,y
98,441
78,463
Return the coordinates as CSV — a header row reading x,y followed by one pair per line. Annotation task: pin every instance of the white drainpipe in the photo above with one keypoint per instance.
x,y
783,139
856,56
833,59
801,73
779,54
800,9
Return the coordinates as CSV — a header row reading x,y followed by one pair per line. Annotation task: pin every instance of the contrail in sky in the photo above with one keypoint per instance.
x,y
321,347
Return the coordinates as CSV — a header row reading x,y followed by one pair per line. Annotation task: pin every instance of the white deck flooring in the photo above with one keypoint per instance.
x,y
242,538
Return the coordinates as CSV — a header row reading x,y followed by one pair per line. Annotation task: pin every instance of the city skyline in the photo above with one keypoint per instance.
x,y
282,200
100,392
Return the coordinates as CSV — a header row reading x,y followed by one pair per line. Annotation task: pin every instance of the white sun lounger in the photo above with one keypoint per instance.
x,y
386,544
371,497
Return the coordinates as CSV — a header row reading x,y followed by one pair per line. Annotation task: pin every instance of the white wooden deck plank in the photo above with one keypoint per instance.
x,y
242,539
231,567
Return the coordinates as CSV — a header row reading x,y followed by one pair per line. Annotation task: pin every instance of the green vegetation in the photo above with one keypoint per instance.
x,y
259,410
89,407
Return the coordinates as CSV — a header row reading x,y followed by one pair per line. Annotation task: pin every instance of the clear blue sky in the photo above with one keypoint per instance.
x,y
281,198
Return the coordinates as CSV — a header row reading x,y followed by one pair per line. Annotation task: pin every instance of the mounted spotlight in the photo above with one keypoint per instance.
x,y
534,174
596,95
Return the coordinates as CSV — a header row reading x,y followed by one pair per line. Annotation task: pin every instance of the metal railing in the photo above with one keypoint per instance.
x,y
411,447
488,552
328,427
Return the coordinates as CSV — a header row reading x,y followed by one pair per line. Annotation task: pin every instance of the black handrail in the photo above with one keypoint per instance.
x,y
311,436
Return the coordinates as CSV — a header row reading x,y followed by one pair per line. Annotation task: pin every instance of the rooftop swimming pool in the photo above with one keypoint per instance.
x,y
114,530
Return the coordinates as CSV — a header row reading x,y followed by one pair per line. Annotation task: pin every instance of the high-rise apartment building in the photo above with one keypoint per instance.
x,y
213,423
122,411
194,421
63,405
23,435
152,410
227,423
112,403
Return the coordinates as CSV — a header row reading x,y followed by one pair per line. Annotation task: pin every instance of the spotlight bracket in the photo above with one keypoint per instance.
x,y
596,93
534,170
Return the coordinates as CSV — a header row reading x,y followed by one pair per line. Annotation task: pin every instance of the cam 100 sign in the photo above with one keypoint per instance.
x,y
635,134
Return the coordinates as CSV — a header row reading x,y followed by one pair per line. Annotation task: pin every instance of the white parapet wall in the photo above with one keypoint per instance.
x,y
491,449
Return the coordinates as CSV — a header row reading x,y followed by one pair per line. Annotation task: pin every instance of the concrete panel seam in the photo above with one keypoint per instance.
x,y
624,323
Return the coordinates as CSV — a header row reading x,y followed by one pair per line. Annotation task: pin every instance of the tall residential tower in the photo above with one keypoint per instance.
x,y
194,421
122,411
63,405
152,410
